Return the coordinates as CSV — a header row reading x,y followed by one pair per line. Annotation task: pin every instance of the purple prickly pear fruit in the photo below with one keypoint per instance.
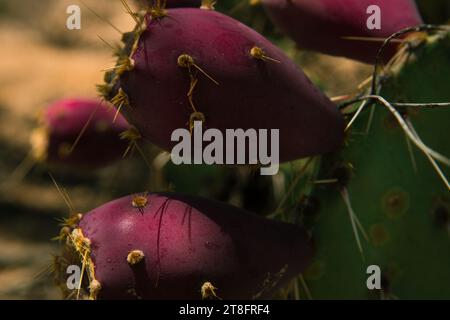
x,y
325,25
90,120
171,246
200,64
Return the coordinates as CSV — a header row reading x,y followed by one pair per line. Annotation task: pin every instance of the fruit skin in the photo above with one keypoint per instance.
x,y
61,124
187,241
320,25
252,92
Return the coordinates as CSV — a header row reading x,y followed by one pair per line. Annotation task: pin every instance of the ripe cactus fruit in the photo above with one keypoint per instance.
x,y
324,25
90,120
187,64
171,246
400,202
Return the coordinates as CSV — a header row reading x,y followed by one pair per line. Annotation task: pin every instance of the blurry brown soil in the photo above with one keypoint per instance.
x,y
38,67
40,61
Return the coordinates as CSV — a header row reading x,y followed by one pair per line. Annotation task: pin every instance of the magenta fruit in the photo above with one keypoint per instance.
x,y
187,64
171,246
62,124
323,25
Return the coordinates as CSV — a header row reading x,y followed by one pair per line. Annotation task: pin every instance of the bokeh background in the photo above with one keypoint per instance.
x,y
40,62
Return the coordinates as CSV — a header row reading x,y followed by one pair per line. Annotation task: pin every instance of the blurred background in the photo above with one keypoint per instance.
x,y
42,61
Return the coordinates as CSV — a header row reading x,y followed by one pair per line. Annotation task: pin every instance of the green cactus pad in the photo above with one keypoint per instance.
x,y
402,206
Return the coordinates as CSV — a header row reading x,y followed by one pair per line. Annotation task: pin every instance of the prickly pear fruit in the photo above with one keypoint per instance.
x,y
168,246
64,121
190,64
325,25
